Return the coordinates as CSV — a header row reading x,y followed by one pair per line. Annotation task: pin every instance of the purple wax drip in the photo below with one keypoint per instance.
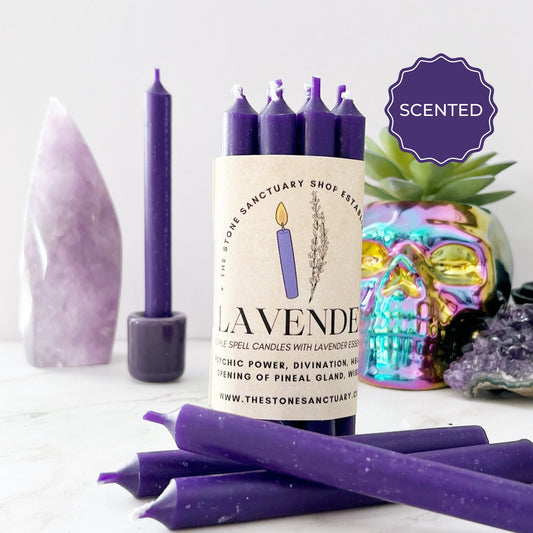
x,y
157,215
288,267
501,353
341,89
315,126
239,130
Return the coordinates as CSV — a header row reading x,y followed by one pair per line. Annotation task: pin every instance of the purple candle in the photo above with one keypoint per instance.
x,y
148,473
286,254
277,125
315,125
349,130
240,497
156,338
157,201
239,128
355,467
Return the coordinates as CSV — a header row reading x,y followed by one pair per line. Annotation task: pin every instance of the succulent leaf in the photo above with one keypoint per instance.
x,y
428,175
486,170
379,167
487,198
459,190
472,162
401,189
402,177
371,146
378,192
391,146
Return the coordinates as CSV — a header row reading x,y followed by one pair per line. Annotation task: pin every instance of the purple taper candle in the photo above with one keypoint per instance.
x,y
315,125
254,495
315,133
349,130
355,467
156,337
157,201
277,125
148,473
239,128
349,143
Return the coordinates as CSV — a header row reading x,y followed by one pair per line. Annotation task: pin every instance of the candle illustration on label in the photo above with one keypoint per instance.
x,y
286,253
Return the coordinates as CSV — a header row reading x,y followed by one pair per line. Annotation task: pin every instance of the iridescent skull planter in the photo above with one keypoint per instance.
x,y
430,273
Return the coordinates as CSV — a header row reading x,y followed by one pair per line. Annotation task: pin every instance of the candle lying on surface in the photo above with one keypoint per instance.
x,y
286,253
240,497
156,337
148,473
239,128
355,467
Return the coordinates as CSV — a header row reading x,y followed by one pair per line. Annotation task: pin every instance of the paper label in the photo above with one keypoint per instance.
x,y
287,235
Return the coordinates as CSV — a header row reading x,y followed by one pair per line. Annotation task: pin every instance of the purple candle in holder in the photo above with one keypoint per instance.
x,y
286,253
156,337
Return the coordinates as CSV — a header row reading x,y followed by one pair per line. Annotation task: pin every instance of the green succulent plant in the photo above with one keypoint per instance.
x,y
399,176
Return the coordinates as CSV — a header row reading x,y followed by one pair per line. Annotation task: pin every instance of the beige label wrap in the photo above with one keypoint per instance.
x,y
287,286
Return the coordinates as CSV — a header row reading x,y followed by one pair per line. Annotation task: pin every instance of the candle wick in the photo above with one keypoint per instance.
x,y
157,75
237,91
346,95
276,90
307,90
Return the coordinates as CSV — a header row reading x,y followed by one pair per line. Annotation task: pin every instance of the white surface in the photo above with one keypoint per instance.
x,y
62,427
97,58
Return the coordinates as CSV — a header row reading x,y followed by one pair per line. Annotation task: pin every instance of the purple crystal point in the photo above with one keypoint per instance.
x,y
72,252
501,357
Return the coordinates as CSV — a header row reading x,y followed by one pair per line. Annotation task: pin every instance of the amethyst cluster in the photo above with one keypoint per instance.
x,y
500,357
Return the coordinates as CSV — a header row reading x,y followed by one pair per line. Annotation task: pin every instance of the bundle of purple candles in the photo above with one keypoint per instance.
x,y
313,131
230,468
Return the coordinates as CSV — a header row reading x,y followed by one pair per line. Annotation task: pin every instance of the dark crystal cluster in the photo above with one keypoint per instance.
x,y
501,356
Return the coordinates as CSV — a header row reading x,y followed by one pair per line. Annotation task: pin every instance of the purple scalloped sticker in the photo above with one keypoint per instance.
x,y
441,109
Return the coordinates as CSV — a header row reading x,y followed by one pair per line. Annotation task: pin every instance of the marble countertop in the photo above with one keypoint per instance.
x,y
61,427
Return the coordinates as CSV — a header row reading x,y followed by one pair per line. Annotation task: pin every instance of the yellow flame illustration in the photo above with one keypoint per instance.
x,y
281,215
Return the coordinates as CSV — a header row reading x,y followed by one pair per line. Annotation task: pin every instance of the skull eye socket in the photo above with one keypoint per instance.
x,y
456,264
374,258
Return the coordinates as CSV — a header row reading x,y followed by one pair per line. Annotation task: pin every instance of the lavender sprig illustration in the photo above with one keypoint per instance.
x,y
319,244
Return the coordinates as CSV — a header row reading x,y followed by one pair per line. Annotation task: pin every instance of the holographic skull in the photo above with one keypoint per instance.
x,y
430,271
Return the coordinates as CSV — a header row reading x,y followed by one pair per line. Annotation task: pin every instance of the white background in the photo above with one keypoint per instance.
x,y
98,57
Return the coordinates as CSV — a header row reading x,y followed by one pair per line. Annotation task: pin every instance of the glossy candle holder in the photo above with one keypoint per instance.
x,y
156,347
